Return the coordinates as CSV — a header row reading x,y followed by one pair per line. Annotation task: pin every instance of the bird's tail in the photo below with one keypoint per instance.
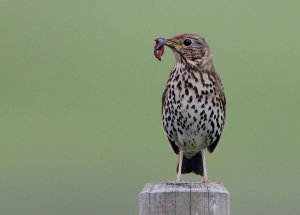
x,y
194,165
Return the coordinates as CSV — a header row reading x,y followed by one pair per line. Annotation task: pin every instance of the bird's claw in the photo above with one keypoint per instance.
x,y
205,181
178,179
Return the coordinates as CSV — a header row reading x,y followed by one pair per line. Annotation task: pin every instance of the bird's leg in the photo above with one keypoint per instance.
x,y
178,179
205,177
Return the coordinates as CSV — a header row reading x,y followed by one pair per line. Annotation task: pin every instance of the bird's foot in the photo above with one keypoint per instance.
x,y
205,180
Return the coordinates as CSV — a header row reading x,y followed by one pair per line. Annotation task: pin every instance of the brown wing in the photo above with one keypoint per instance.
x,y
212,146
222,98
174,147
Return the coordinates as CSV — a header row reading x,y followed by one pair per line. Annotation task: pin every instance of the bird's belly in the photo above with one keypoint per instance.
x,y
188,124
195,133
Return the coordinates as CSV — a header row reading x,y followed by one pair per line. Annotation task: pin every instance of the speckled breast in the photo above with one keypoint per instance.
x,y
192,112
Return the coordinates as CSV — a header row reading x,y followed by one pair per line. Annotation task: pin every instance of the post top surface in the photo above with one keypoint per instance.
x,y
184,186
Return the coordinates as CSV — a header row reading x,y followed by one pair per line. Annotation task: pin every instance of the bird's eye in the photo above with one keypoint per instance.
x,y
187,42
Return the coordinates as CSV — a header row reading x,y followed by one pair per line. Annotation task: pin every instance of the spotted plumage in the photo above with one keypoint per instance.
x,y
193,103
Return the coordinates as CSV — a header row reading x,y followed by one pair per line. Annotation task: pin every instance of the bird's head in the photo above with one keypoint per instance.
x,y
188,48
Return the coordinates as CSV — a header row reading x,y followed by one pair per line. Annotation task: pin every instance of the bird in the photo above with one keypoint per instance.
x,y
193,102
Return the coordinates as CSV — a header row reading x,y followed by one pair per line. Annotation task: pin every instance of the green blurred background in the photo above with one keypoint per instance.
x,y
80,96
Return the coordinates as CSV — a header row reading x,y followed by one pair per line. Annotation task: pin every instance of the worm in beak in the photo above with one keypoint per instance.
x,y
159,47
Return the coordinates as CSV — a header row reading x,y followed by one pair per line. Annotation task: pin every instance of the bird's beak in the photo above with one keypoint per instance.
x,y
172,44
159,46
168,42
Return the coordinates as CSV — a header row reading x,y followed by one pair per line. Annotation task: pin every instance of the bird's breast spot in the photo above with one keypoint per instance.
x,y
192,143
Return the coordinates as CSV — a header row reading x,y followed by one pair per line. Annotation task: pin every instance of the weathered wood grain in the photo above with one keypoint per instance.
x,y
184,198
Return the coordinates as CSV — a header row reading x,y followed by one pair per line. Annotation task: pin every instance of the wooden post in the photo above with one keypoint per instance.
x,y
184,198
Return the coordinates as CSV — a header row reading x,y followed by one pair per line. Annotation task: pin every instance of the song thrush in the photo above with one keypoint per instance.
x,y
193,103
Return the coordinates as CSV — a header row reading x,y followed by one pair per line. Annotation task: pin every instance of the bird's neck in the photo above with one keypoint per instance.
x,y
205,64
